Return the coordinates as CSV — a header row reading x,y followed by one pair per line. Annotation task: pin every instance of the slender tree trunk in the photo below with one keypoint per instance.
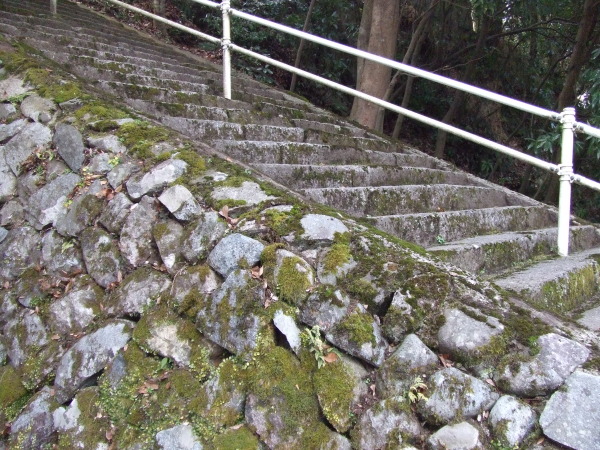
x,y
374,77
362,43
584,44
160,10
442,136
411,55
301,45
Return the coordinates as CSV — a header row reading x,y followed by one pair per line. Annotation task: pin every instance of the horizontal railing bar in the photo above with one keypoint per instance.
x,y
208,3
580,179
405,112
403,67
143,12
587,129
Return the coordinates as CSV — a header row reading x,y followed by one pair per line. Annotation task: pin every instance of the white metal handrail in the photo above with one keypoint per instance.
x,y
566,117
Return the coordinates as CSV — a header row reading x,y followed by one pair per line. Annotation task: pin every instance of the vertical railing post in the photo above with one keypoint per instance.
x,y
225,44
565,174
53,7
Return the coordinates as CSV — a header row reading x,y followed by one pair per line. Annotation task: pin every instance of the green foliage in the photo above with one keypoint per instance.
x,y
415,391
311,339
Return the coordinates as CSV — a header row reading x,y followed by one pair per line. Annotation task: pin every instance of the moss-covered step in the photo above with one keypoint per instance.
x,y
428,229
558,285
95,28
304,176
211,129
492,254
268,152
386,200
76,19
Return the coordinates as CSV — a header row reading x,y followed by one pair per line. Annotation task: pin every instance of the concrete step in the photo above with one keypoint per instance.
x,y
427,228
143,92
82,23
305,176
558,285
93,30
305,153
493,254
207,130
393,200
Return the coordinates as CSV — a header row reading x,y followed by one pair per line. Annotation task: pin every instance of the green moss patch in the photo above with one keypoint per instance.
x,y
359,328
13,394
139,137
334,386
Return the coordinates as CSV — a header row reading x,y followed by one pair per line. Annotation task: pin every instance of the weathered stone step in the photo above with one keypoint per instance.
x,y
304,153
95,30
386,200
558,285
208,130
149,93
84,23
304,176
492,254
427,228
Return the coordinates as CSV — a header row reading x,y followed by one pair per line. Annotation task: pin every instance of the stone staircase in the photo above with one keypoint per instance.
x,y
469,222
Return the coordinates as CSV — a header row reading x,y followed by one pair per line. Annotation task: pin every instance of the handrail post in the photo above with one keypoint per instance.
x,y
225,45
53,7
565,173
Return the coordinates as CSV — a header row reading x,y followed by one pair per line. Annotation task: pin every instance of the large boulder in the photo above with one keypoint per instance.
x,y
557,358
47,204
136,235
89,356
69,145
455,396
101,255
571,416
512,420
233,316
234,251
138,291
387,424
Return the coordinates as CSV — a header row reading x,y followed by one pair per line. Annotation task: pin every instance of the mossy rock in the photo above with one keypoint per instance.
x,y
13,394
282,407
165,334
291,276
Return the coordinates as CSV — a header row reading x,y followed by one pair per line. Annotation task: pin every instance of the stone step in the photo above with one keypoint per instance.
x,y
558,285
305,176
92,30
426,229
143,92
305,153
92,26
210,130
393,200
493,254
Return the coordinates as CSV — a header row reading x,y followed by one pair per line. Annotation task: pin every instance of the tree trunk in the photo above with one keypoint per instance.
x,y
159,9
373,78
301,45
584,44
440,143
362,43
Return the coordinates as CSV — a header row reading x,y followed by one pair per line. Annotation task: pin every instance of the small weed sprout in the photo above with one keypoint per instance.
x,y
311,338
114,161
440,239
66,246
415,391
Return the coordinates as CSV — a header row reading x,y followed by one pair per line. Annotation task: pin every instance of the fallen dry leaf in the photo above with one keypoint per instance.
x,y
256,272
330,357
445,360
490,382
55,337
